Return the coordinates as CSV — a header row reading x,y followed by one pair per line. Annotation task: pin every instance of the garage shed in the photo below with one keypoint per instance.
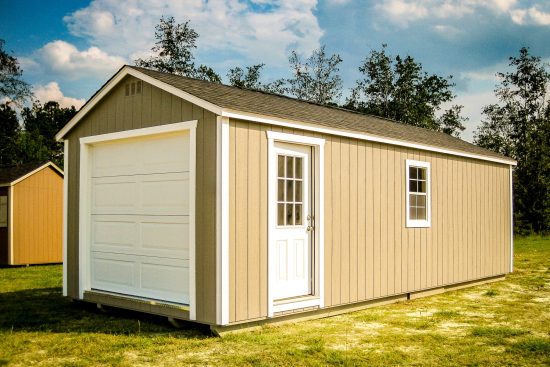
x,y
31,203
225,206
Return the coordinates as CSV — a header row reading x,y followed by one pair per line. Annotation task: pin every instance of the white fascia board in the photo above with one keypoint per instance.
x,y
357,135
122,73
48,164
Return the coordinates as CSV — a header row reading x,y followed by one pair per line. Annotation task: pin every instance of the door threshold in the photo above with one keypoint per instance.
x,y
284,301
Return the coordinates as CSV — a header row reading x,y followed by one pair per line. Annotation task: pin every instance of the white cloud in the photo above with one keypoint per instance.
x,y
52,92
66,60
531,15
403,12
260,31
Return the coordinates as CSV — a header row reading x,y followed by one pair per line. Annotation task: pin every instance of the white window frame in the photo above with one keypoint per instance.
x,y
415,223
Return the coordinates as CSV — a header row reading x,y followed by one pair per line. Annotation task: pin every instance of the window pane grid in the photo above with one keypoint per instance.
x,y
289,190
418,196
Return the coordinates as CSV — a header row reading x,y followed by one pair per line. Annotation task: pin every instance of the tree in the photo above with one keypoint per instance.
x,y
316,79
40,123
9,131
249,79
519,126
398,88
11,85
174,51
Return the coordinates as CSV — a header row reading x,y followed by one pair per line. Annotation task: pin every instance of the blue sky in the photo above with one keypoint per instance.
x,y
68,49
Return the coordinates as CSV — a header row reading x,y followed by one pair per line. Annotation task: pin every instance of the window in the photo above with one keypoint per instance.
x,y
3,211
289,191
418,194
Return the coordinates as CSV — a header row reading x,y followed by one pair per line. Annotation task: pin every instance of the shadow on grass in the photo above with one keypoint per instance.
x,y
45,309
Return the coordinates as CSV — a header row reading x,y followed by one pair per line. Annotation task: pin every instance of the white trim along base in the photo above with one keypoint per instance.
x,y
317,299
222,222
84,199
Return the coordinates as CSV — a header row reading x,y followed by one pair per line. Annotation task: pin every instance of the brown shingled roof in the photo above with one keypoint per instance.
x,y
282,107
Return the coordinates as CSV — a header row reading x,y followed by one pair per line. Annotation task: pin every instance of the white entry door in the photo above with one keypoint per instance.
x,y
293,232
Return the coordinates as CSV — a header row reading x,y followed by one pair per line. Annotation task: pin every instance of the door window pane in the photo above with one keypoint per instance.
x,y
289,190
298,196
298,167
290,167
298,214
280,166
280,190
289,215
281,214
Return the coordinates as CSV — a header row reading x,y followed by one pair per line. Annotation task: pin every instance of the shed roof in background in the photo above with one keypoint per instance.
x,y
11,174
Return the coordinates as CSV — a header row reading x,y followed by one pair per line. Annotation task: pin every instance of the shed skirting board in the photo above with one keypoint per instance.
x,y
350,307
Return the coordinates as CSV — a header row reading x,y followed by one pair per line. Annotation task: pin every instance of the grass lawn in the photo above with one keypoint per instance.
x,y
504,323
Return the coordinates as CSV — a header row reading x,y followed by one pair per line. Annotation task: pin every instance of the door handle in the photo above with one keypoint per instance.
x,y
309,223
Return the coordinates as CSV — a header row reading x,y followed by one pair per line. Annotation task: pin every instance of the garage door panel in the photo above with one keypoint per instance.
x,y
155,194
113,272
114,234
117,195
172,237
167,153
159,236
165,279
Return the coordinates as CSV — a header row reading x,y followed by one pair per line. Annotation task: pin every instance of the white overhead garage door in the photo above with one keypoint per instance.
x,y
139,216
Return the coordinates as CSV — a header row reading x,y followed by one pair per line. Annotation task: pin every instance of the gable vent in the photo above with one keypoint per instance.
x,y
133,88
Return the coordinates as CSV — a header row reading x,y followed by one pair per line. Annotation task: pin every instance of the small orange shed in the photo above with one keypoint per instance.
x,y
31,214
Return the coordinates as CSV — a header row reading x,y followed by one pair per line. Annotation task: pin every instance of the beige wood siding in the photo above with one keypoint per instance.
x,y
38,218
117,112
369,253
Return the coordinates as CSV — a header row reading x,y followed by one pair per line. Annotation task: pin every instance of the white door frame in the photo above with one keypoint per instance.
x,y
317,297
84,271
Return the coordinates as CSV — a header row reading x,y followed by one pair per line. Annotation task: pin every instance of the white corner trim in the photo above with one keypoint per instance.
x,y
419,223
83,219
358,135
318,157
192,127
222,221
121,74
10,227
511,220
84,200
65,212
